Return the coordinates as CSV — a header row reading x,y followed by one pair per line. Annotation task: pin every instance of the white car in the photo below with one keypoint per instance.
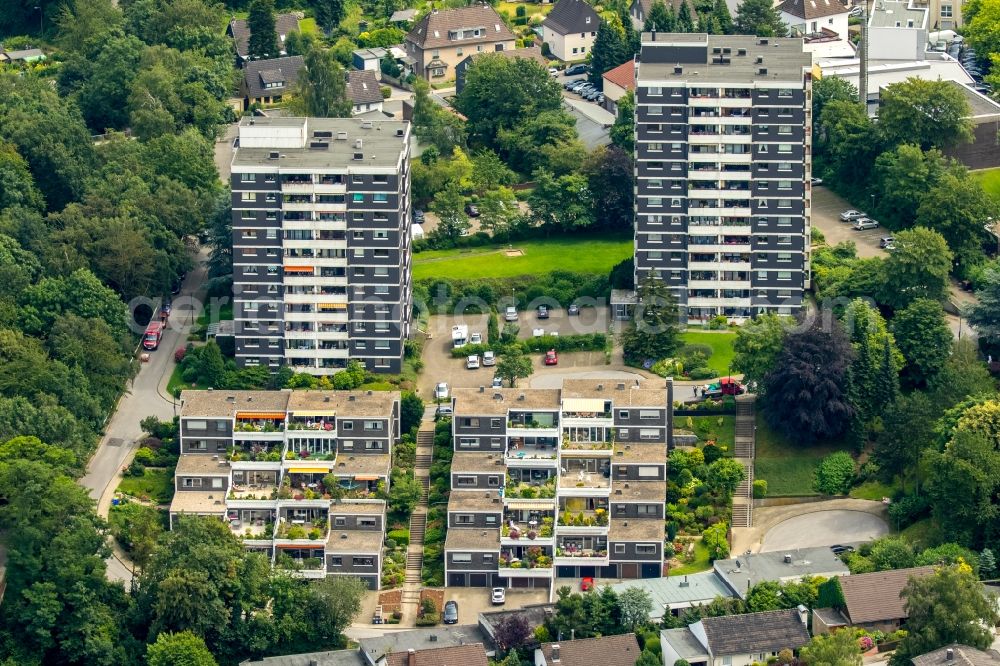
x,y
510,314
538,332
851,215
476,339
498,596
489,358
472,363
441,391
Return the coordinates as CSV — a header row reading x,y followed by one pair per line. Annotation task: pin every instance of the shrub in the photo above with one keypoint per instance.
x,y
712,453
701,373
314,534
386,92
428,620
145,456
908,509
136,469
835,474
718,322
759,488
179,354
714,538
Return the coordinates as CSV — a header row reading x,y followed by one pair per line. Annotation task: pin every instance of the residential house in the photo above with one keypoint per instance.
x,y
821,23
327,658
364,92
377,649
617,82
368,59
403,16
981,152
456,655
270,81
24,56
639,10
957,654
240,32
263,462
570,29
674,595
585,472
530,53
443,38
871,601
622,650
741,573
736,640
942,14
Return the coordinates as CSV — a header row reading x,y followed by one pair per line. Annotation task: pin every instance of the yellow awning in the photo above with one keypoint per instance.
x,y
308,470
314,413
261,415
299,545
583,404
529,504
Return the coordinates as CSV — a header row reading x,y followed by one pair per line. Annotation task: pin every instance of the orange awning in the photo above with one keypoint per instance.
x,y
304,545
260,415
299,269
367,477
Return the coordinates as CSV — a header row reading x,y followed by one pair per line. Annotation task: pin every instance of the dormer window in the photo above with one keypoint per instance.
x,y
588,19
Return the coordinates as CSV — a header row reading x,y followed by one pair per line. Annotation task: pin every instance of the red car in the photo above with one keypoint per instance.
x,y
551,358
586,584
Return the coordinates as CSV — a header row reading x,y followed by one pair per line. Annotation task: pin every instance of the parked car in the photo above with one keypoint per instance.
x,y
864,223
450,613
442,411
586,584
489,359
543,312
593,95
441,391
573,310
510,314
476,339
553,71
551,357
573,70
418,216
472,363
816,181
851,215
838,549
498,596
497,381
886,242
584,89
471,210
856,12
569,84
600,99
537,332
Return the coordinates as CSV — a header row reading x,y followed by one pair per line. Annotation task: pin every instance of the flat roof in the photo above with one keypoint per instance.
x,y
622,392
887,13
677,591
193,464
636,529
639,452
370,463
684,643
329,658
784,59
979,104
199,501
224,403
745,571
477,462
638,491
471,538
354,507
882,73
381,148
474,500
345,403
497,401
355,541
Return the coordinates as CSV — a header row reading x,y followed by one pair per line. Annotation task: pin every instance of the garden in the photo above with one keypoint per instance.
x,y
394,562
703,355
788,468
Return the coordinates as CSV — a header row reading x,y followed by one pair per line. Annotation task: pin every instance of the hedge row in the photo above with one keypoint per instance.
x,y
562,343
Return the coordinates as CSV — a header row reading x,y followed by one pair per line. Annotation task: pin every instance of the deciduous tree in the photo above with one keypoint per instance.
x,y
918,268
924,339
957,207
757,345
321,91
329,14
984,314
924,112
180,649
837,648
514,365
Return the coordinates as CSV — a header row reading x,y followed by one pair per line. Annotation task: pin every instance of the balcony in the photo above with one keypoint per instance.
x,y
582,551
257,452
298,529
304,562
527,532
313,425
527,491
273,426
253,525
595,518
523,453
525,559
584,484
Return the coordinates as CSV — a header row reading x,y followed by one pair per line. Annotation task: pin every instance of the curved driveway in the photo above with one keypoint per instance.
x,y
824,528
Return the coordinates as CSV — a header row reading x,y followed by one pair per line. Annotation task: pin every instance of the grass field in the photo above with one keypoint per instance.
x,y
787,467
873,490
578,255
700,563
307,26
155,484
990,179
721,343
707,428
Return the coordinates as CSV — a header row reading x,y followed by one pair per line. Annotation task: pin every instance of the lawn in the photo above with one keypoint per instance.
x,y
578,255
873,490
787,467
155,484
701,562
533,8
707,428
307,26
721,343
990,179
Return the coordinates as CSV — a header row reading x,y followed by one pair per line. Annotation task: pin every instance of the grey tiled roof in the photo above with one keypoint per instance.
x,y
961,655
283,24
283,71
570,16
771,631
432,31
363,88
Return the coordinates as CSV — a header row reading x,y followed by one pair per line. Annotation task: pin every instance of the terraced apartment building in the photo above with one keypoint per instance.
x,y
297,475
321,243
550,483
723,131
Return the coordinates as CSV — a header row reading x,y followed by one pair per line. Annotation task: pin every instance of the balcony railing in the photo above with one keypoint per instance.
x,y
258,426
581,552
312,531
525,532
522,490
596,518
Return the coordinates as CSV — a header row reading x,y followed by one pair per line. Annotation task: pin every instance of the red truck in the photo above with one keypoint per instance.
x,y
154,333
725,386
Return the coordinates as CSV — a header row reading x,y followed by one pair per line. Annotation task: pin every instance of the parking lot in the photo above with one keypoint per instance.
x,y
826,210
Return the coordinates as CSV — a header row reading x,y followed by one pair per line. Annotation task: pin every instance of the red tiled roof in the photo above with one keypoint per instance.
x,y
623,75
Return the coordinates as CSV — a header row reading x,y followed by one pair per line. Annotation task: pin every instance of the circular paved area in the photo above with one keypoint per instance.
x,y
824,528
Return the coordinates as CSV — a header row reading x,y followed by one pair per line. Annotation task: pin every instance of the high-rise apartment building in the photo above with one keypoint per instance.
x,y
321,243
723,166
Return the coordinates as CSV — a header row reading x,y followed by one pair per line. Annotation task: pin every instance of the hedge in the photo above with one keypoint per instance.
x,y
401,537
562,343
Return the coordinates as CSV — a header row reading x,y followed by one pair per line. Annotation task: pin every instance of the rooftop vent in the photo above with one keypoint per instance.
x,y
482,389
621,386
272,155
322,134
318,145
678,70
400,132
762,42
762,70
343,535
521,397
341,136
788,558
741,52
600,387
351,398
326,398
685,583
759,59
358,156
366,124
358,143
498,396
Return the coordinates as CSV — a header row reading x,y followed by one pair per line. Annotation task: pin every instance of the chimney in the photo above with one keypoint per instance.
x,y
949,655
482,389
555,652
411,657
803,614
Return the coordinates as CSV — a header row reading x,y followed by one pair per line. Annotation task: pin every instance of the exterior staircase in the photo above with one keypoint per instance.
x,y
743,451
418,520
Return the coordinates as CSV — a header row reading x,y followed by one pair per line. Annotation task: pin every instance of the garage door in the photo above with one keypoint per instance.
x,y
630,570
478,580
456,580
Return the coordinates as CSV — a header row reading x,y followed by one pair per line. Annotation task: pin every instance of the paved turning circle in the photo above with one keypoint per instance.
x,y
824,528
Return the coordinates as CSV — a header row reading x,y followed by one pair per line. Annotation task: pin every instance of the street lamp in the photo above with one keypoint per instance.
x,y
41,16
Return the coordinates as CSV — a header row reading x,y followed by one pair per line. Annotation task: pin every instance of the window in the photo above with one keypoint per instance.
x,y
197,425
465,518
784,257
380,180
655,91
381,197
647,510
373,425
784,148
656,110
619,549
645,414
649,471
190,483
197,445
373,445
363,561
247,178
336,561
493,482
461,557
784,275
645,549
649,433
248,196
358,197
655,201
339,521
347,425
623,414
946,11
784,129
488,557
468,442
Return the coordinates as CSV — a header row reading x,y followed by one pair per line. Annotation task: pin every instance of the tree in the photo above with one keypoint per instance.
x,y
838,648
547,140
918,268
757,345
333,603
924,112
724,21
404,493
946,607
848,144
434,125
660,18
924,339
982,28
835,474
514,365
263,34
497,212
411,411
906,432
956,208
623,130
450,208
489,172
180,649
300,43
904,175
329,14
685,22
725,475
714,539
562,202
512,632
634,604
877,362
963,374
759,17
321,91
807,392
825,90
610,50
610,179
137,527
984,314
987,564
654,334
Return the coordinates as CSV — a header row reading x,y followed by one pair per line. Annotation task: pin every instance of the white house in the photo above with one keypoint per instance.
x,y
821,23
570,29
736,640
897,31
